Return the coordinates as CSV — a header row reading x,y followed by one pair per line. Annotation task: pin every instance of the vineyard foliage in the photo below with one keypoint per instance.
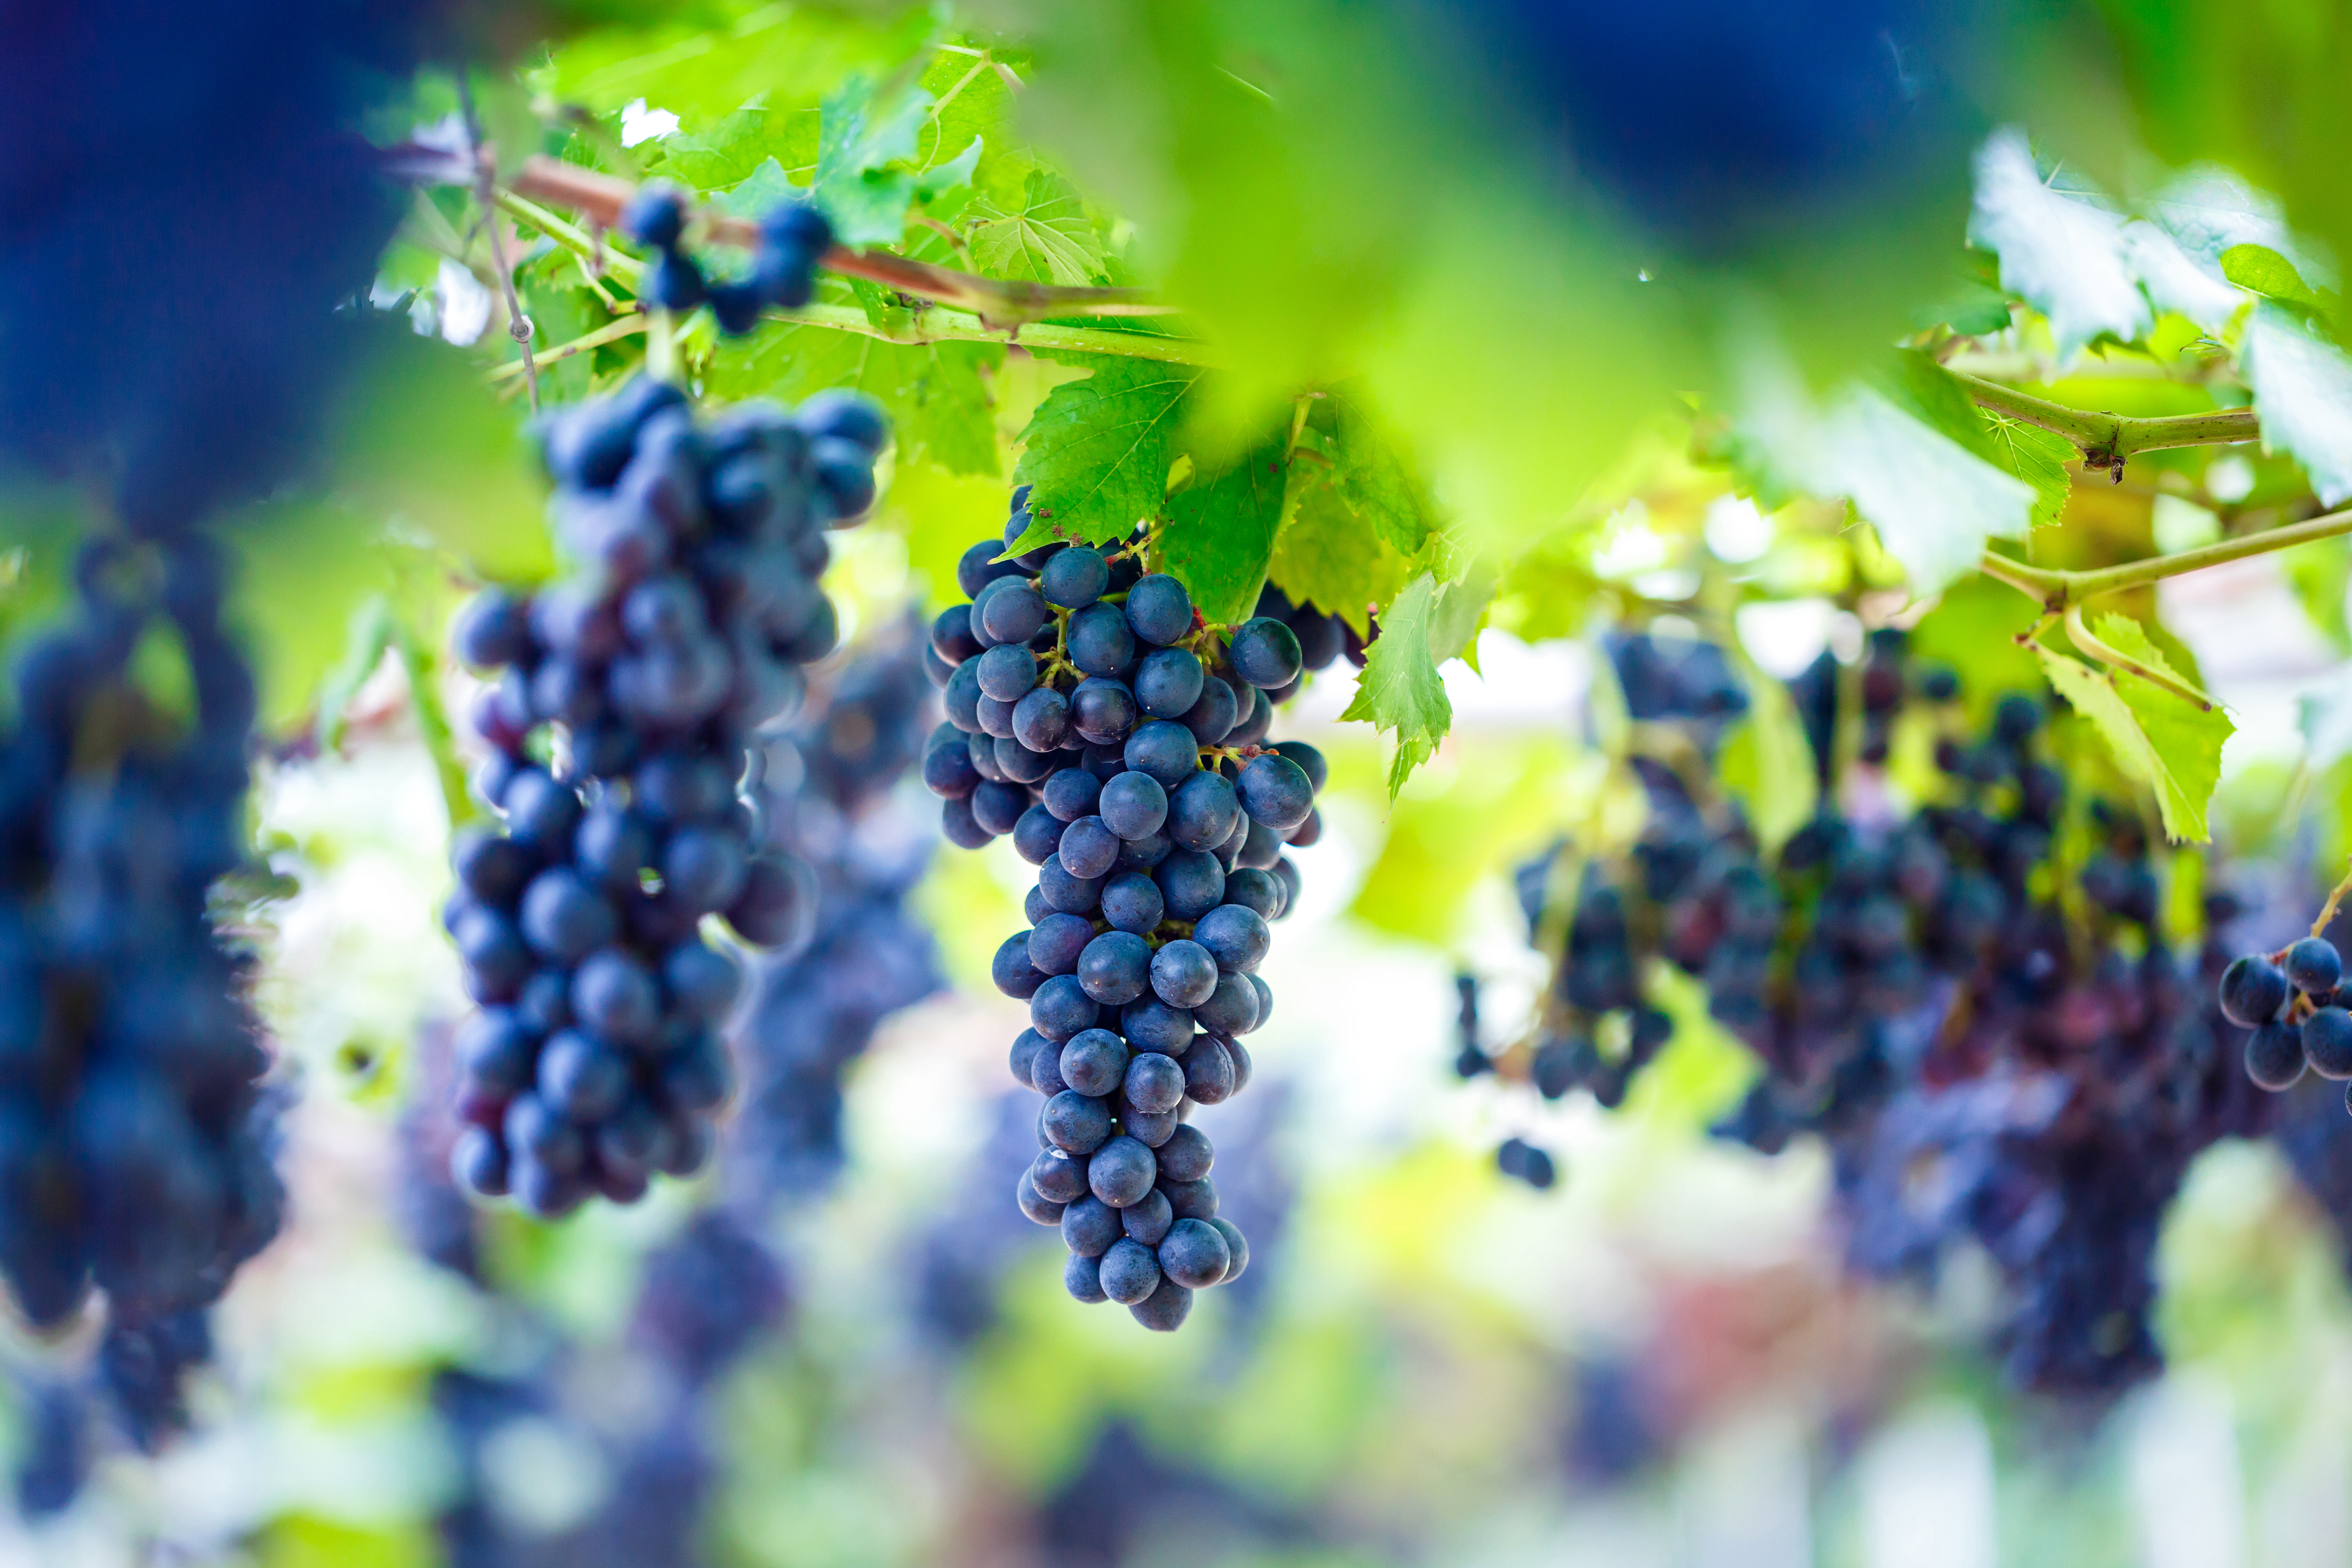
x,y
1960,345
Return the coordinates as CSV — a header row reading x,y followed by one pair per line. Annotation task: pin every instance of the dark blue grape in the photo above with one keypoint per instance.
x,y
1101,642
1154,1083
1037,835
1075,577
1062,1008
1089,848
1165,1310
2253,991
1041,721
1071,895
1264,653
1183,974
2314,967
1231,1007
1209,1072
1056,943
1115,968
1190,882
1210,718
1193,1254
1057,1177
1186,1157
1093,1062
1041,1210
1274,791
1150,1024
2275,1058
1134,805
998,806
1103,712
1167,682
1158,609
1090,1226
1121,1171
1007,673
1204,812
1132,902
2327,1042
1129,1272
1164,751
1071,793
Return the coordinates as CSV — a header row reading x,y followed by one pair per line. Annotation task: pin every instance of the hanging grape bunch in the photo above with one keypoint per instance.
x,y
2292,1001
1121,742
793,236
1909,985
134,1140
619,727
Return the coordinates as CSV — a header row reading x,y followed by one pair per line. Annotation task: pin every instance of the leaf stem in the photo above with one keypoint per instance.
x,y
611,332
2082,637
2056,592
2335,897
2106,439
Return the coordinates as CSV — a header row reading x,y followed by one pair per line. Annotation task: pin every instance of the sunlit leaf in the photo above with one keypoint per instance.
x,y
2157,736
1097,451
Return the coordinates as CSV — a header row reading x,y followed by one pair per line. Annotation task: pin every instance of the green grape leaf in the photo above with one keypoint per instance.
x,y
1400,690
2068,252
935,393
2303,390
1049,238
727,155
1937,398
1096,452
861,145
2038,457
2273,276
1933,502
2159,737
1325,556
1768,764
1221,534
764,187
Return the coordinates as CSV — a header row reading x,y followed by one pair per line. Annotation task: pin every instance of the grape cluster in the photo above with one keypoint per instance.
x,y
793,236
828,798
2295,1004
1122,743
1977,1006
135,1143
619,727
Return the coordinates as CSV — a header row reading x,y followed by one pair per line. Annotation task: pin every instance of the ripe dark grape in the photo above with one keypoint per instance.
x,y
2314,967
660,680
2253,991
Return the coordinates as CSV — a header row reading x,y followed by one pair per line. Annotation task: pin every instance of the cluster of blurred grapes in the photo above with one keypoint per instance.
x,y
1978,1005
620,733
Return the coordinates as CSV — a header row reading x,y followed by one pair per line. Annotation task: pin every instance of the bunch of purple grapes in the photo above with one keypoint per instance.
x,y
829,798
793,236
1121,742
1987,1057
136,1146
2293,1002
620,725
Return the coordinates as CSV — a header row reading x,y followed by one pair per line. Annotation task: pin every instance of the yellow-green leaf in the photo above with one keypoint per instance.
x,y
1767,765
2157,736
1400,690
1221,534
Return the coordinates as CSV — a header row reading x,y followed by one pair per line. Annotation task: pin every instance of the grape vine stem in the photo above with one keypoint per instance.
x,y
1004,302
2106,439
2058,592
2335,899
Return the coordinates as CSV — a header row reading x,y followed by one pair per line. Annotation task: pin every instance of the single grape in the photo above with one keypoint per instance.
x,y
2314,967
1165,1310
1265,653
1094,1062
1116,968
1158,609
2327,1042
2275,1058
2253,991
1131,1272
